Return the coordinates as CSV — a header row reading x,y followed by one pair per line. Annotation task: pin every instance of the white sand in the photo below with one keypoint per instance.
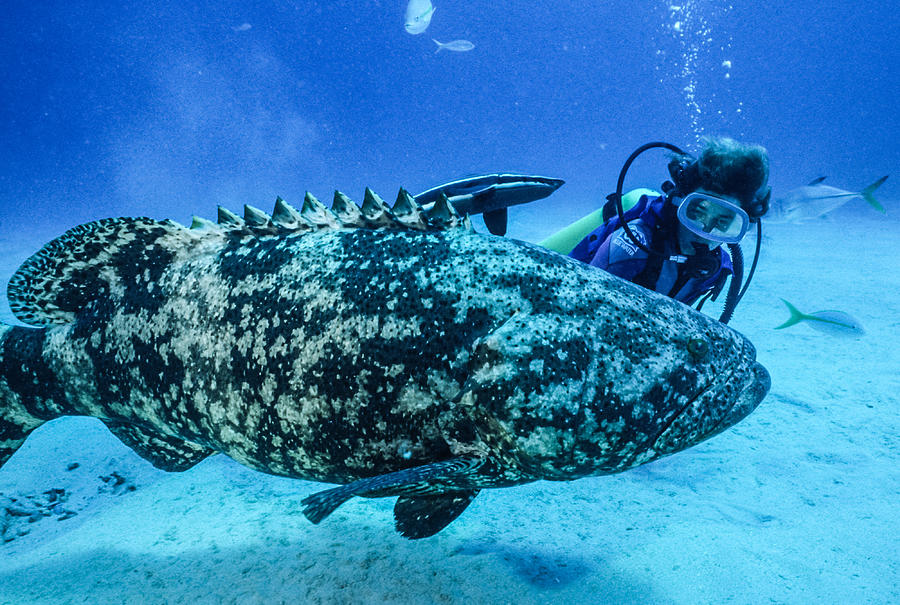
x,y
797,504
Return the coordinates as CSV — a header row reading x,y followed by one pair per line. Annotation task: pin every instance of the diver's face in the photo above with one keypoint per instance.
x,y
711,219
711,216
688,240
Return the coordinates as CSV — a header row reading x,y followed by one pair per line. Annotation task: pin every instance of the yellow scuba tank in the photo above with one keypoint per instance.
x,y
564,240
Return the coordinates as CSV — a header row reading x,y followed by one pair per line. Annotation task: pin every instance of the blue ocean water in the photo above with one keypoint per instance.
x,y
168,109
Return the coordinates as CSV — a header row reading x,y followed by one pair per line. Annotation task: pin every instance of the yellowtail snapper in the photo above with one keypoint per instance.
x,y
836,323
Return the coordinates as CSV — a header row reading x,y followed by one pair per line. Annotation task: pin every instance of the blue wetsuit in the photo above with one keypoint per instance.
x,y
619,255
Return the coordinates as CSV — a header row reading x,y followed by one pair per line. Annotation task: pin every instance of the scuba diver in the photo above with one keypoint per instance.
x,y
672,242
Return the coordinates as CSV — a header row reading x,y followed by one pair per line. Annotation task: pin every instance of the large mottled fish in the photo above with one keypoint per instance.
x,y
816,200
418,16
393,351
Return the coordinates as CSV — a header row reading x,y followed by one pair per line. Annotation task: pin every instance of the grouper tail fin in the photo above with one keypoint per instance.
x,y
84,267
868,194
19,388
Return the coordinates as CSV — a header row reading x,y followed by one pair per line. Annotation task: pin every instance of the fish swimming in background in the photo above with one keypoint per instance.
x,y
418,16
836,323
459,46
393,351
815,200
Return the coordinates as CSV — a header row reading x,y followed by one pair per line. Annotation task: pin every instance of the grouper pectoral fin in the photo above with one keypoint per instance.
x,y
423,516
416,480
162,451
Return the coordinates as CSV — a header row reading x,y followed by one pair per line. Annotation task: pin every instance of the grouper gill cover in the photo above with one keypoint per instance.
x,y
392,351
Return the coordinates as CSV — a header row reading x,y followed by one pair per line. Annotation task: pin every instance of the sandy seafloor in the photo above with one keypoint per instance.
x,y
800,503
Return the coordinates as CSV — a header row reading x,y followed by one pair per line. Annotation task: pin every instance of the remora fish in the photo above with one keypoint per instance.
x,y
815,200
418,16
490,195
395,352
459,46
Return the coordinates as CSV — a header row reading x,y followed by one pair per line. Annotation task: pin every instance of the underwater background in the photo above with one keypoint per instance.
x,y
168,109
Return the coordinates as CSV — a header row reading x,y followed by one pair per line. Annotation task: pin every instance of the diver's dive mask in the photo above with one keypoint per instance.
x,y
713,218
685,175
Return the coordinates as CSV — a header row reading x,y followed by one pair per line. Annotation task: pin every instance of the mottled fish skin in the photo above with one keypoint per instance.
x,y
338,353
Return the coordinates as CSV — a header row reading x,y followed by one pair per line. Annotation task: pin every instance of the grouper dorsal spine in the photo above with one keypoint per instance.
x,y
37,301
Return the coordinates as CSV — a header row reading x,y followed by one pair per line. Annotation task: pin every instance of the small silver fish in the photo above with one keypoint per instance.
x,y
815,200
459,46
418,16
836,323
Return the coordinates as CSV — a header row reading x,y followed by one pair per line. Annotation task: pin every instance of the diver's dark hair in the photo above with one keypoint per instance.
x,y
731,168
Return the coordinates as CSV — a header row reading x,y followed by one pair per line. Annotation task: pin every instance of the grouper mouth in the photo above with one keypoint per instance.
x,y
750,397
719,406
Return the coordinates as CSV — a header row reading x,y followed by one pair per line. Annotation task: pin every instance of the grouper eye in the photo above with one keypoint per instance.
x,y
698,347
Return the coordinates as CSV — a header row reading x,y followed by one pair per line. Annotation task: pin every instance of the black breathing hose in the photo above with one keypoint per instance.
x,y
734,288
755,259
621,182
735,291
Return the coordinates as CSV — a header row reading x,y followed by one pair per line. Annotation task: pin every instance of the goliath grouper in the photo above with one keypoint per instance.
x,y
393,351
